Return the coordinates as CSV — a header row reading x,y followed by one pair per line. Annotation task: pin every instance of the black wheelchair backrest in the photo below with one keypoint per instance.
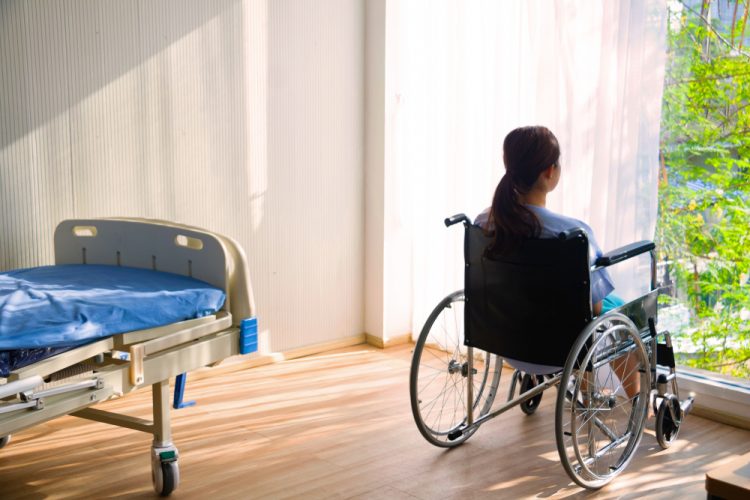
x,y
530,305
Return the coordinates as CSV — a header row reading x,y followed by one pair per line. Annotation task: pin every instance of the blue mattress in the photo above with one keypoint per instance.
x,y
45,310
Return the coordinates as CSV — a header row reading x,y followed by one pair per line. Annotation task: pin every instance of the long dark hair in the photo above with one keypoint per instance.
x,y
527,152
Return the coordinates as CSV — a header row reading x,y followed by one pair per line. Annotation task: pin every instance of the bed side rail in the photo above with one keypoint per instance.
x,y
139,344
63,360
138,352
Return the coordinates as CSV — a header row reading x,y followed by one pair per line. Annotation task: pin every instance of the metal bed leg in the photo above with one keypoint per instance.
x,y
162,428
164,468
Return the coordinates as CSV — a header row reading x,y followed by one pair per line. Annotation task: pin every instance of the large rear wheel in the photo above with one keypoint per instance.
x,y
439,381
602,401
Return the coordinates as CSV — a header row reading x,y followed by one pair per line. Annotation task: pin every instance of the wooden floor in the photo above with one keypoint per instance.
x,y
336,425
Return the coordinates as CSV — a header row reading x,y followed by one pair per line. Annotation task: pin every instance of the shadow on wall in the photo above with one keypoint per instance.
x,y
120,108
56,54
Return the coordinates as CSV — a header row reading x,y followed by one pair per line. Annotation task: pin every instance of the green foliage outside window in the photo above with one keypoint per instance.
x,y
703,231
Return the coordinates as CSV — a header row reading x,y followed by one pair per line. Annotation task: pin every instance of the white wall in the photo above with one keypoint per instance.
x,y
375,164
388,254
315,202
243,117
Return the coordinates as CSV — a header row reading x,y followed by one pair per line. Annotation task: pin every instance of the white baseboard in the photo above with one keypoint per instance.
x,y
722,400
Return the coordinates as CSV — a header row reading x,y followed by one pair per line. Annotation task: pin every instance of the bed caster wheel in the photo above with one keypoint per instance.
x,y
528,382
668,420
165,471
4,441
165,478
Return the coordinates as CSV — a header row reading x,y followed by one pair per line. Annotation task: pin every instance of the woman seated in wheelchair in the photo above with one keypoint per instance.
x,y
532,170
459,355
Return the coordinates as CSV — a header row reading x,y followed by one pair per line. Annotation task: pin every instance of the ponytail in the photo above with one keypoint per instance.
x,y
527,152
510,219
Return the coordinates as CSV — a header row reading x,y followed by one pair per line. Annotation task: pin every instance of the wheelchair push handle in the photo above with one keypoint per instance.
x,y
455,219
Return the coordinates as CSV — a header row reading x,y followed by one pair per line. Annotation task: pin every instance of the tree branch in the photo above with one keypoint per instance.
x,y
730,363
718,35
744,22
712,77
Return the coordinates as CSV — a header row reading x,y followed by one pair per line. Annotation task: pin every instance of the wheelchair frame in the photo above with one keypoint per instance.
x,y
621,338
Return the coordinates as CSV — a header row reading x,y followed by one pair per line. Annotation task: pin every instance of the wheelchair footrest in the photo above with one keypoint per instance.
x,y
686,405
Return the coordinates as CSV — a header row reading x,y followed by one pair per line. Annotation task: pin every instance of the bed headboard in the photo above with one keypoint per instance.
x,y
162,246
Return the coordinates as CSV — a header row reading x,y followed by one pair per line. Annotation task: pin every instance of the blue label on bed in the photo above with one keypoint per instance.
x,y
249,335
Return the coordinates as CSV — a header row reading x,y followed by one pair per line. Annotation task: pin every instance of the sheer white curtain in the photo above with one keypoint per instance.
x,y
461,74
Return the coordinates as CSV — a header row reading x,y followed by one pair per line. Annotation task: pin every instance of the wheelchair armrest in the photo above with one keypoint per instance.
x,y
455,219
623,253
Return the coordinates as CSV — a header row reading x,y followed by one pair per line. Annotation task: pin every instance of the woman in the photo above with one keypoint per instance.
x,y
532,170
518,212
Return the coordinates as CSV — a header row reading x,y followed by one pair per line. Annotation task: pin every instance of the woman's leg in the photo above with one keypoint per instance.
x,y
627,370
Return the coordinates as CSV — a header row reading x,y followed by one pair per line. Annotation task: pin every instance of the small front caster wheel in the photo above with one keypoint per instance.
x,y
4,441
528,382
668,420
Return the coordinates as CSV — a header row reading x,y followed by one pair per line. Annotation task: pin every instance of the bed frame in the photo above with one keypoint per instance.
x,y
74,381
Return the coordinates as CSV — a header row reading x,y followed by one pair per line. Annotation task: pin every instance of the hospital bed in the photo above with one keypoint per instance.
x,y
45,376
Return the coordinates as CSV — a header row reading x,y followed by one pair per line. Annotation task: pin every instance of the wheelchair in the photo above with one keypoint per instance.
x,y
534,308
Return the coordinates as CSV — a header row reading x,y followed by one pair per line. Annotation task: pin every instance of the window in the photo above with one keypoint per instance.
x,y
704,193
